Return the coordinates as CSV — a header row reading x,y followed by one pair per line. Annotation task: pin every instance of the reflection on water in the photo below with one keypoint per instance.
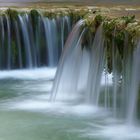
x,y
27,113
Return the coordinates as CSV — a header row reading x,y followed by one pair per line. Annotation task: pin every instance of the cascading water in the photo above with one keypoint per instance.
x,y
69,66
8,42
26,39
54,49
134,87
117,93
28,42
96,68
90,72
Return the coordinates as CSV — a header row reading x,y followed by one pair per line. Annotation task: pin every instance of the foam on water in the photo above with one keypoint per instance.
x,y
109,80
115,132
57,108
30,74
69,105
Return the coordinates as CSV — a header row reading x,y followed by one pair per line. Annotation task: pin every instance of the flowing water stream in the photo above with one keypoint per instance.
x,y
79,99
26,41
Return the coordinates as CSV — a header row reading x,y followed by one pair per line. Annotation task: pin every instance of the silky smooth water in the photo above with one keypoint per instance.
x,y
24,44
27,114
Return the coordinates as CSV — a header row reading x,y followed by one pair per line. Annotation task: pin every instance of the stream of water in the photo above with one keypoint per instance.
x,y
78,99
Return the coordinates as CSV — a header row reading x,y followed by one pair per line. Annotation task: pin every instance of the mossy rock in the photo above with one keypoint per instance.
x,y
114,29
13,14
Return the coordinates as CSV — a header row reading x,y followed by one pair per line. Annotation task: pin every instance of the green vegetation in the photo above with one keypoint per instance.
x,y
115,29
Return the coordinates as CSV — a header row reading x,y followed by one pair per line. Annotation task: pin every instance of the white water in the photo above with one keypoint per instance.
x,y
97,61
79,82
107,128
134,87
25,44
113,95
69,67
27,41
33,74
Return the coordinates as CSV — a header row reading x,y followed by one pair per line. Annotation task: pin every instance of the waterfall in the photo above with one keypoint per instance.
x,y
26,42
96,68
69,67
80,70
116,76
20,62
8,43
2,34
134,87
83,72
50,30
26,39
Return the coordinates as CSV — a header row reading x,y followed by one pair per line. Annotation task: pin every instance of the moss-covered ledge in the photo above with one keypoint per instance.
x,y
92,15
115,28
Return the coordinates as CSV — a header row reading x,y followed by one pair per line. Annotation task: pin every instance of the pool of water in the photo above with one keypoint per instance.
x,y
26,112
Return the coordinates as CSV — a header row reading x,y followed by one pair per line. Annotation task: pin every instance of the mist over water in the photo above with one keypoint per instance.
x,y
25,96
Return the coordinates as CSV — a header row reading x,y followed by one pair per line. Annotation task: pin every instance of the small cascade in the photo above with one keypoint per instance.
x,y
52,37
116,76
1,42
96,68
133,91
66,80
124,92
8,42
84,72
80,69
28,41
50,32
20,61
5,42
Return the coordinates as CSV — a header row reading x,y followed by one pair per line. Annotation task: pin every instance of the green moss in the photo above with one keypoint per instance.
x,y
87,38
114,29
49,15
34,14
13,14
